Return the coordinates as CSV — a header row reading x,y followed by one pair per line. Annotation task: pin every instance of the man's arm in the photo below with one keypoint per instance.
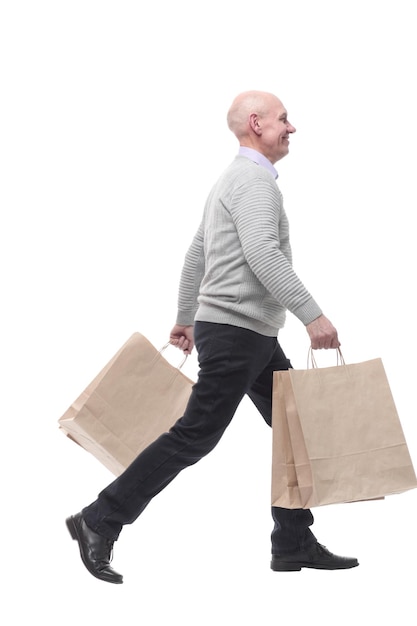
x,y
191,277
259,232
262,228
182,335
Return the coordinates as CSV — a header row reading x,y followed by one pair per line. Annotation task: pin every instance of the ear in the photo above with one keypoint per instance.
x,y
254,123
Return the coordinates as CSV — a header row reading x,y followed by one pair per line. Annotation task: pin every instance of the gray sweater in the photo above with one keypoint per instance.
x,y
238,269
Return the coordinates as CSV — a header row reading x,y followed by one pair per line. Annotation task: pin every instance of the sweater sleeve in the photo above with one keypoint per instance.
x,y
262,227
191,277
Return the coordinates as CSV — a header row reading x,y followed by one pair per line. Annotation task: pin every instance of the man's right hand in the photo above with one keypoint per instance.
x,y
322,334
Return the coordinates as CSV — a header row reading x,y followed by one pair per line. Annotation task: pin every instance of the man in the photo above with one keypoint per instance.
x,y
236,285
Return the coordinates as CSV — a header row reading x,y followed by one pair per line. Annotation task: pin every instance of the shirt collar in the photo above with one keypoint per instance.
x,y
258,158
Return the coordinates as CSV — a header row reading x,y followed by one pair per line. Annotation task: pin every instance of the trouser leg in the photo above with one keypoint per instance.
x,y
291,531
231,359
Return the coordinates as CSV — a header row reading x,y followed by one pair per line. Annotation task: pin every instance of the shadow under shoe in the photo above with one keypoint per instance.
x,y
95,550
315,556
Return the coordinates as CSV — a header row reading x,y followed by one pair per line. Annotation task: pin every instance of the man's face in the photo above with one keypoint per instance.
x,y
276,130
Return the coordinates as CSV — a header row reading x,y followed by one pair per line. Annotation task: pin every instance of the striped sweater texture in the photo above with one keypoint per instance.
x,y
238,269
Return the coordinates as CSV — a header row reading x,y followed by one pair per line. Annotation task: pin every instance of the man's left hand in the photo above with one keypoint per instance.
x,y
182,337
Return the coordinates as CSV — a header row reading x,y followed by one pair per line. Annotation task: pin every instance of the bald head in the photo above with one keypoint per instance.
x,y
259,121
246,104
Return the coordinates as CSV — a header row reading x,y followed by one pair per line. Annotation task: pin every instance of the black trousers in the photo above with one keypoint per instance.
x,y
233,362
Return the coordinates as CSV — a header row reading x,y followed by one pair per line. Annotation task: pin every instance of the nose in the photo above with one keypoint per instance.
x,y
291,128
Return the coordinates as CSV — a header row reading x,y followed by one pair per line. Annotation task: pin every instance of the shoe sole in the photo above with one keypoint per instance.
x,y
72,528
297,567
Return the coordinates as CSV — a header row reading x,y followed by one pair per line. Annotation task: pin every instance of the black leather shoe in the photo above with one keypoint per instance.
x,y
315,556
95,550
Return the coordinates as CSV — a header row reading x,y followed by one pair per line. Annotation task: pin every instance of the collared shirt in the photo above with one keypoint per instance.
x,y
258,158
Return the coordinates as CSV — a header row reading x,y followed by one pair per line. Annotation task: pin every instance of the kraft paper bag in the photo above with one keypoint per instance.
x,y
337,437
135,398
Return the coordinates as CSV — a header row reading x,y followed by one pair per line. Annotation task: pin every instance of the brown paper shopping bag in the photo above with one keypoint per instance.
x,y
337,437
136,397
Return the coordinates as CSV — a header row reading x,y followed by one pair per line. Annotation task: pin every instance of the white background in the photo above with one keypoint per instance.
x,y
112,132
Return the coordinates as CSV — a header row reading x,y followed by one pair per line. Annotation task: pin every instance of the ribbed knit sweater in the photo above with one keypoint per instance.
x,y
238,269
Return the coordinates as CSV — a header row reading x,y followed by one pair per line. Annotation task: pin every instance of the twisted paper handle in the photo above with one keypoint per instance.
x,y
166,346
311,359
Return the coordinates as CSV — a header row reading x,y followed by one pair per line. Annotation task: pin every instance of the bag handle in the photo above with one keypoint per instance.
x,y
170,344
311,359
